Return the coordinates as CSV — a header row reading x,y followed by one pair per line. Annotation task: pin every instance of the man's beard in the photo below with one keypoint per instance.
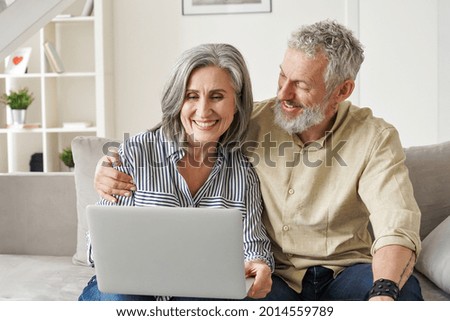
x,y
311,116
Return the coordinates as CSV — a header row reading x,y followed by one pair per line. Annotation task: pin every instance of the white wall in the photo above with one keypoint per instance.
x,y
399,79
444,70
151,34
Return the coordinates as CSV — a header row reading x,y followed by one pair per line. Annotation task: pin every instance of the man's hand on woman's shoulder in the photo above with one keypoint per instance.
x,y
109,182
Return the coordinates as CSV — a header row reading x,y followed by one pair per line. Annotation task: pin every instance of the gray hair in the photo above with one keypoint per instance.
x,y
344,52
223,56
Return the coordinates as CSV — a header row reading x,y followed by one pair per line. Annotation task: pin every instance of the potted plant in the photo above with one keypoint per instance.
x,y
67,158
18,101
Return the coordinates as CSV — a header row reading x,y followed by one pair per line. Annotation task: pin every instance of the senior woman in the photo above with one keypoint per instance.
x,y
192,158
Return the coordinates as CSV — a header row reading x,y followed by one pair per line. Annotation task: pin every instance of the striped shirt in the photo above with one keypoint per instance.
x,y
152,163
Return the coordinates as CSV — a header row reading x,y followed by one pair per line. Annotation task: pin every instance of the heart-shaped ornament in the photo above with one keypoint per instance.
x,y
17,60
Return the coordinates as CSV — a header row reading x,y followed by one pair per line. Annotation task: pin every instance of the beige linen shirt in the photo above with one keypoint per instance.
x,y
320,198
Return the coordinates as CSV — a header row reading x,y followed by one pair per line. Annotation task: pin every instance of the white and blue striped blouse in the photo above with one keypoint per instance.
x,y
152,163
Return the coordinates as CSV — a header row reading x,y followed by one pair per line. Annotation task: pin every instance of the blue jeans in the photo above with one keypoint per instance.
x,y
352,284
92,293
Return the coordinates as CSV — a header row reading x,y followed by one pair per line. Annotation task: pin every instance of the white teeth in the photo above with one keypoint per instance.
x,y
205,124
290,106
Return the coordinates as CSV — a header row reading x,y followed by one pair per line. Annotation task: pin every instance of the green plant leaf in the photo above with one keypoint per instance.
x,y
20,99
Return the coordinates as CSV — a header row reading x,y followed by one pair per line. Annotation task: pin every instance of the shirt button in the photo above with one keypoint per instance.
x,y
291,191
285,228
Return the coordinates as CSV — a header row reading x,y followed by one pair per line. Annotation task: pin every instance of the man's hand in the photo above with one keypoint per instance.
x,y
108,181
381,298
263,279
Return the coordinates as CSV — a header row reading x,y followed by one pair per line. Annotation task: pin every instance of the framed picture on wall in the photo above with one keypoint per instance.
x,y
197,7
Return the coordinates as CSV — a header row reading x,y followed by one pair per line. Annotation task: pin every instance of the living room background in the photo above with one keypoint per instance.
x,y
403,79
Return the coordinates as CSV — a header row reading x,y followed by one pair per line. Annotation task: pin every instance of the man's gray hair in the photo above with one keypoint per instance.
x,y
344,52
223,56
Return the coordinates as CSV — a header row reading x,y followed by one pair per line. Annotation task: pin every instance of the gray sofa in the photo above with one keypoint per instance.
x,y
38,225
42,225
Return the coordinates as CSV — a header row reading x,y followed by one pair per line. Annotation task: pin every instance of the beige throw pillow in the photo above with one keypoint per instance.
x,y
87,150
434,260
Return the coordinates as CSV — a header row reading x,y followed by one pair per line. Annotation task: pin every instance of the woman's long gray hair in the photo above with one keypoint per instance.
x,y
223,56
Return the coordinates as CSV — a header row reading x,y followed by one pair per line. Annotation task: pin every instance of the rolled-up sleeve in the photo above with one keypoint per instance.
x,y
387,192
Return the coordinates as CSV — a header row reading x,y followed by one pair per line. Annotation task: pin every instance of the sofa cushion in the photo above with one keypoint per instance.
x,y
434,260
41,278
37,213
87,150
429,170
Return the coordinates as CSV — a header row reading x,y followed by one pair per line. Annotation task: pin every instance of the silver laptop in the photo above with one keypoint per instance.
x,y
188,252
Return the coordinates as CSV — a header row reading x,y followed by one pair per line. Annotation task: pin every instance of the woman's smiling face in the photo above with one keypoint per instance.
x,y
209,104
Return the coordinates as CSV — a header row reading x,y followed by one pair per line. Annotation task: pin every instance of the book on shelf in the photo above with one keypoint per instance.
x,y
80,124
53,58
88,8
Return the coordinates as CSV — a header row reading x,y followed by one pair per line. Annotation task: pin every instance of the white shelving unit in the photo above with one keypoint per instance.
x,y
79,95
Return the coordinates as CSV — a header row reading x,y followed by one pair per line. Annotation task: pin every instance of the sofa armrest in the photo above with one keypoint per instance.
x,y
38,214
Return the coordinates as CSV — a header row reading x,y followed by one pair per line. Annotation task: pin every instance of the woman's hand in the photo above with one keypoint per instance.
x,y
108,181
263,279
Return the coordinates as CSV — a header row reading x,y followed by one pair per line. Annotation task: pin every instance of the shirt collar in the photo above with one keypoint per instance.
x,y
341,114
177,151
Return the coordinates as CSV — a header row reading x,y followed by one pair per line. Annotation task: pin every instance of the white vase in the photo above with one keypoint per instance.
x,y
18,116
